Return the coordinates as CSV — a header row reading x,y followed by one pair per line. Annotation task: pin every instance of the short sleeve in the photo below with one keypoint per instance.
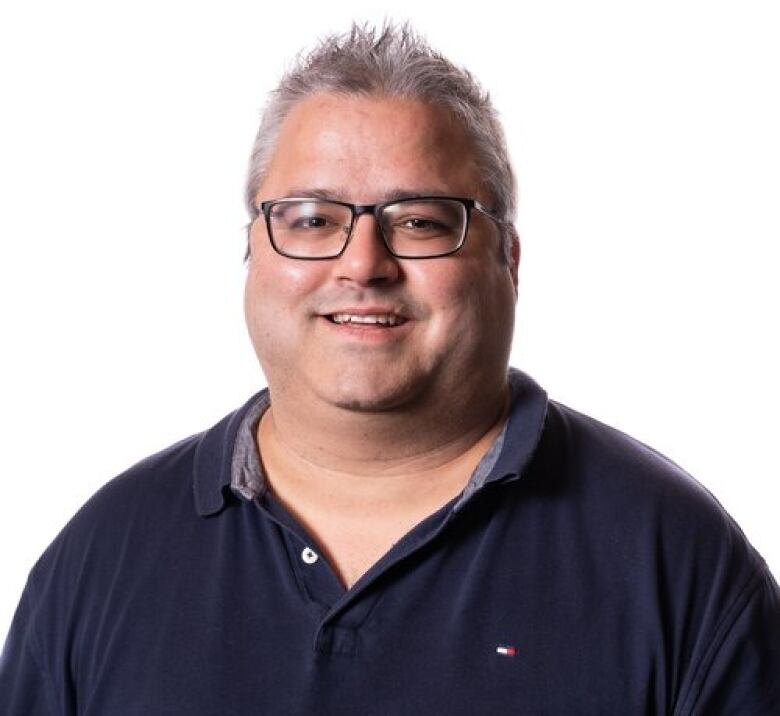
x,y
24,688
741,673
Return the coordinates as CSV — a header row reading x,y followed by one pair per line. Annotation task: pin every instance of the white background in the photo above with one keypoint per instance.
x,y
645,136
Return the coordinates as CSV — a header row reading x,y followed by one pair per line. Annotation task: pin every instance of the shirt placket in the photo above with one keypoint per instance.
x,y
341,613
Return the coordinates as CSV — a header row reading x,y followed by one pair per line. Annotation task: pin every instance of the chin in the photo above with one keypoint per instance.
x,y
365,403
367,396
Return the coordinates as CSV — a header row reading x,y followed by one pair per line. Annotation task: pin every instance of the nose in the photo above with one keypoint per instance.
x,y
366,260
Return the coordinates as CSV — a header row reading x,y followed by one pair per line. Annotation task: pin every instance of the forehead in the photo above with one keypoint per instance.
x,y
363,149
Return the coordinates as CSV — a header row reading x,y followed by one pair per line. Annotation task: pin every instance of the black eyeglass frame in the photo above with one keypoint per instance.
x,y
374,209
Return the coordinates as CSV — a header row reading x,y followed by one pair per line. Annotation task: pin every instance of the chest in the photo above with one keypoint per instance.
x,y
231,615
260,631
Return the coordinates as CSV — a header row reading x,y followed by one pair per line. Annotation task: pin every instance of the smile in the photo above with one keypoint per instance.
x,y
371,319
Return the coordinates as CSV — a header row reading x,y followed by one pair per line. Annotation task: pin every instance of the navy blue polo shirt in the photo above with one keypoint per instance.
x,y
579,572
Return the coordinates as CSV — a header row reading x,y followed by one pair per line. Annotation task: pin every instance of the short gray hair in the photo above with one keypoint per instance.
x,y
394,61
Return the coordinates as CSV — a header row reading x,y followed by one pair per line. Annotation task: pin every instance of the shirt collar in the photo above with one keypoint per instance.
x,y
227,459
213,460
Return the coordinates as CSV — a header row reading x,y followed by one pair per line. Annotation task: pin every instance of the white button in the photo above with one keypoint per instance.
x,y
309,555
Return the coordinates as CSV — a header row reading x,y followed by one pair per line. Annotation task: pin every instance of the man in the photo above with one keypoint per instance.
x,y
399,525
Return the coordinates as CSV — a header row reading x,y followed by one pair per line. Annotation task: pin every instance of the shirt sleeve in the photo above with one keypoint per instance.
x,y
740,674
25,690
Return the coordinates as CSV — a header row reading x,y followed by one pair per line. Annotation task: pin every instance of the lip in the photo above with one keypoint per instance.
x,y
366,311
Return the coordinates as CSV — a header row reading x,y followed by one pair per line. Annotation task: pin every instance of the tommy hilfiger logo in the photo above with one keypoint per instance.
x,y
506,650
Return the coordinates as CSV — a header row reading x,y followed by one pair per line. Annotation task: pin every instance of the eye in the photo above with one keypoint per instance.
x,y
309,222
309,217
421,227
423,224
424,219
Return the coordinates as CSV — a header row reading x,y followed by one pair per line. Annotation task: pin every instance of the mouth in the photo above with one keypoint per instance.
x,y
368,320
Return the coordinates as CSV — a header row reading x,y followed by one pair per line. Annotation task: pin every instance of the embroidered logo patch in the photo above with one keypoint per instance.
x,y
506,650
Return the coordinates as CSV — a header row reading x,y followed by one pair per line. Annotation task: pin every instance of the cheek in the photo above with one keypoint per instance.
x,y
471,303
277,306
279,284
466,286
450,296
273,280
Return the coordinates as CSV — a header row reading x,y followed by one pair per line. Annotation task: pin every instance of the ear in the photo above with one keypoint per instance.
x,y
248,250
514,260
250,238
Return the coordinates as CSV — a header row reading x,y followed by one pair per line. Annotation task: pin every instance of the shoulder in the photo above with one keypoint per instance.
x,y
626,481
160,477
172,488
137,512
650,549
130,507
642,524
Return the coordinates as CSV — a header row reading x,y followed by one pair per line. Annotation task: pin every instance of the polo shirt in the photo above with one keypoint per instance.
x,y
579,572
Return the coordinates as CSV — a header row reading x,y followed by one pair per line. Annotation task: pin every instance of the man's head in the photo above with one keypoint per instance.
x,y
367,330
397,63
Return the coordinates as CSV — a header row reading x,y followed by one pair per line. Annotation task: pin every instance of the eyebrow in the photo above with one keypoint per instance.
x,y
338,193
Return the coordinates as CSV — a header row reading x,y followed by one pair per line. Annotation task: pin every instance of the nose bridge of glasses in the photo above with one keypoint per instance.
x,y
359,210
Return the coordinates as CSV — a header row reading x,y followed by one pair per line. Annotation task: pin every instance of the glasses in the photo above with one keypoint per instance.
x,y
423,227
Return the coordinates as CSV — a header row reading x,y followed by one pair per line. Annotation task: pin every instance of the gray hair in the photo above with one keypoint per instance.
x,y
393,62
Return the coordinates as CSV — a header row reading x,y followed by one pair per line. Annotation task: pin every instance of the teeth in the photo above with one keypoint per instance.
x,y
385,319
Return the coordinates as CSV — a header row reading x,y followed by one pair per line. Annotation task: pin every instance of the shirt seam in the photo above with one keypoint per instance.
x,y
722,630
32,644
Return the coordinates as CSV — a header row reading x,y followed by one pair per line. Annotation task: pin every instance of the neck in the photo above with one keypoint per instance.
x,y
349,469
388,442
